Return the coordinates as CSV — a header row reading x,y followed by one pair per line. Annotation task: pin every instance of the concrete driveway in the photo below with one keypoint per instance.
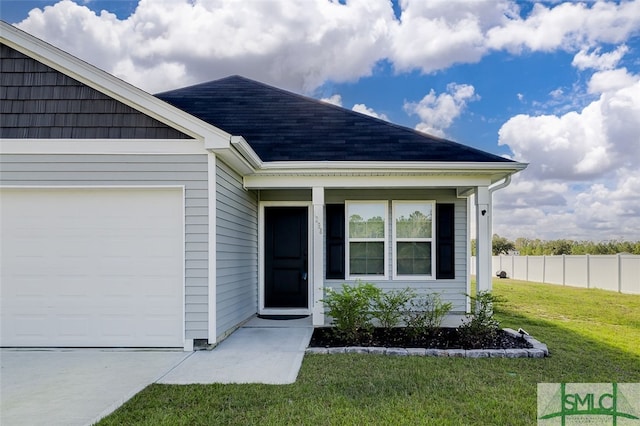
x,y
75,387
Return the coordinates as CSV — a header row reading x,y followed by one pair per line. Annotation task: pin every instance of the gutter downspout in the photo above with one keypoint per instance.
x,y
492,189
507,181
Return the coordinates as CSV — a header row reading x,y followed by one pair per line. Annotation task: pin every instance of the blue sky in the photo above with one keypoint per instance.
x,y
555,84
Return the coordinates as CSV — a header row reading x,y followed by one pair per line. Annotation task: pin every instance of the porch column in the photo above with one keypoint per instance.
x,y
317,280
483,239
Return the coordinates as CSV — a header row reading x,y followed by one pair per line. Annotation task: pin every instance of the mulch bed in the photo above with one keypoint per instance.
x,y
443,338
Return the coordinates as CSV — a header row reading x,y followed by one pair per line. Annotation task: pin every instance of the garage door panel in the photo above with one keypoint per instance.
x,y
92,267
73,326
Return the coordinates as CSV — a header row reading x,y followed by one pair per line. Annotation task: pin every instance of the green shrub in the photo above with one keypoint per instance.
x,y
351,309
481,327
426,315
390,307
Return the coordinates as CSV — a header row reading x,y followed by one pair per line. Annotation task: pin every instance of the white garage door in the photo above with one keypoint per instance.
x,y
91,267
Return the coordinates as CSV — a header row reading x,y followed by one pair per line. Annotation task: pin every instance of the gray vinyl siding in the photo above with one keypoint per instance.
x,y
452,290
189,171
237,250
39,102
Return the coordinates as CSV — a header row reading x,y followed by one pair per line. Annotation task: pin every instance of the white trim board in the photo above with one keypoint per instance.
x,y
420,166
213,253
373,180
101,146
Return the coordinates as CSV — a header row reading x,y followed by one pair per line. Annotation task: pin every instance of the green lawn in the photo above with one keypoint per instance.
x,y
593,336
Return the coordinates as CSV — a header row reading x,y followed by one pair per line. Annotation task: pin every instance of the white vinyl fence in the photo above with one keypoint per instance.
x,y
618,272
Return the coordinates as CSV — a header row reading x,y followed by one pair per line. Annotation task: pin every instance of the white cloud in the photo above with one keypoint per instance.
x,y
557,93
336,99
568,147
437,112
585,144
363,109
610,80
613,209
532,209
566,26
605,210
583,177
300,44
333,99
292,44
433,35
606,61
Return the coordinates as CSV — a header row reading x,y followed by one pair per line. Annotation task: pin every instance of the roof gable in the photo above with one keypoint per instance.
x,y
39,102
283,126
99,83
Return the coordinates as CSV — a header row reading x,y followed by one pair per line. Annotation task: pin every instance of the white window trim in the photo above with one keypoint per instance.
x,y
384,240
395,240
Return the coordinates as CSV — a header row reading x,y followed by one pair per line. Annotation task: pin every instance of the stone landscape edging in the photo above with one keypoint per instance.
x,y
539,350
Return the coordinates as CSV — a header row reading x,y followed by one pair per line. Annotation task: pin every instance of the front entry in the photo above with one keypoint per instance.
x,y
285,258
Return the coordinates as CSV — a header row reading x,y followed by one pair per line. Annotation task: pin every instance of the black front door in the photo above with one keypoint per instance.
x,y
286,245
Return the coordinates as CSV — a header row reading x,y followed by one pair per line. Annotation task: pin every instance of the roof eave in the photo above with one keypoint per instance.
x,y
292,166
379,174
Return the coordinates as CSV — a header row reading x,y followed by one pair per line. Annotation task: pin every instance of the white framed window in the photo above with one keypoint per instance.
x,y
413,239
367,236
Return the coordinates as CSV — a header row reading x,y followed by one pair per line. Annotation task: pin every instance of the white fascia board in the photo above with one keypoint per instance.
x,y
112,86
101,146
243,147
363,181
378,174
405,166
239,156
235,160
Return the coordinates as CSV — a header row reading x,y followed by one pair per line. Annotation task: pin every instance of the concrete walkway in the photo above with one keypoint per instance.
x,y
74,386
262,351
80,386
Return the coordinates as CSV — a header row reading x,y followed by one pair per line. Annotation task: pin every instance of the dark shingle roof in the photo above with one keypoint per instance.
x,y
283,126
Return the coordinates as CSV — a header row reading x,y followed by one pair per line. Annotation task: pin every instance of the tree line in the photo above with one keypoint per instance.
x,y
537,247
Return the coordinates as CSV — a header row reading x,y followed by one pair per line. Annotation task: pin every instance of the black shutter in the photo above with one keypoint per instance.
x,y
445,233
335,241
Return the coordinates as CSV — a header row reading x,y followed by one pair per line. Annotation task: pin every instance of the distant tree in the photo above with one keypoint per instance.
x,y
416,225
559,247
522,244
537,247
501,245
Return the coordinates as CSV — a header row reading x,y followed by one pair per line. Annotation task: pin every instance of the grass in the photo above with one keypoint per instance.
x,y
593,336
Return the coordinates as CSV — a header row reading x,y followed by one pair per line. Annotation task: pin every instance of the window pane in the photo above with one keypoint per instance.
x,y
413,220
366,220
414,258
366,258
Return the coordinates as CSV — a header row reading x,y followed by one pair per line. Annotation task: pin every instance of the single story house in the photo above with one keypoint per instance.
x,y
132,220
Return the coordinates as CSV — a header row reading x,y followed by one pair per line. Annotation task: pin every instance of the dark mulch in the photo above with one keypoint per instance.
x,y
443,338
